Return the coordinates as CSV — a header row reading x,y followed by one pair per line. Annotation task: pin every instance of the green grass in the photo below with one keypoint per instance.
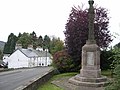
x,y
64,75
49,86
106,73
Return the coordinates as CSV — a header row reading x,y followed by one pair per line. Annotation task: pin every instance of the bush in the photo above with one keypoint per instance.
x,y
106,59
62,61
115,67
115,84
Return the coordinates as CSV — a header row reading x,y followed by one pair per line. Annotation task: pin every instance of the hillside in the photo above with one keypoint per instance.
x,y
2,45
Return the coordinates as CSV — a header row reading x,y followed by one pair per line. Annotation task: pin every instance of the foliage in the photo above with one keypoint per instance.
x,y
115,68
62,61
106,59
1,55
46,42
40,41
29,39
76,32
117,45
56,45
116,58
10,45
19,35
106,73
33,36
25,40
53,45
2,45
115,84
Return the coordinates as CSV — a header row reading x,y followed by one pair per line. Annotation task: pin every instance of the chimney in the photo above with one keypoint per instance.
x,y
18,46
30,47
39,48
46,50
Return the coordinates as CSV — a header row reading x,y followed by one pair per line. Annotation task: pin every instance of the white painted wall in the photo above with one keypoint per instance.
x,y
32,62
17,60
43,62
5,57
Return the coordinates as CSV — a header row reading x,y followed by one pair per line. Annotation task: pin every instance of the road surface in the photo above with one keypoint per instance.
x,y
10,80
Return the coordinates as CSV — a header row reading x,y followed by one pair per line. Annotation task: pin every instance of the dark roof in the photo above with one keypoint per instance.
x,y
7,55
35,53
42,53
28,52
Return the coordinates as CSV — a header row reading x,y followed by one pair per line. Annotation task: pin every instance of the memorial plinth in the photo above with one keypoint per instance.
x,y
90,73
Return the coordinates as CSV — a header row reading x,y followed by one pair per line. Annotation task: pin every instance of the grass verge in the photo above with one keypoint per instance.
x,y
106,73
49,86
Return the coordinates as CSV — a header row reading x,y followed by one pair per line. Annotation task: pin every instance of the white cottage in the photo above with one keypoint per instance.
x,y
44,58
29,58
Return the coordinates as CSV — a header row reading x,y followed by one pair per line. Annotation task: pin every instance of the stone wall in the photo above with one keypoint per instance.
x,y
36,82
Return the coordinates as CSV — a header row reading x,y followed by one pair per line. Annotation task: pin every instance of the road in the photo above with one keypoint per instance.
x,y
10,80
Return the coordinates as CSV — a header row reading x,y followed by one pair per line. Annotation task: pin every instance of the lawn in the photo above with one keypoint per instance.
x,y
49,86
106,73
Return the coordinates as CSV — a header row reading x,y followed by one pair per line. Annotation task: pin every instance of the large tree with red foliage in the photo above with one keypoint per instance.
x,y
76,32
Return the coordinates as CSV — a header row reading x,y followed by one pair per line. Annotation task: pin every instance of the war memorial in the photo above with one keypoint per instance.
x,y
90,73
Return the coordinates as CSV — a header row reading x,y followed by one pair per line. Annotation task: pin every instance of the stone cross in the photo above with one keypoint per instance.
x,y
91,23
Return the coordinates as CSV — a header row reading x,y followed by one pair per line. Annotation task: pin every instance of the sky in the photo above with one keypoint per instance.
x,y
48,17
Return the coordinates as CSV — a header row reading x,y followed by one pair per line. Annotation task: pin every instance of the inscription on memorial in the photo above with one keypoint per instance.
x,y
90,58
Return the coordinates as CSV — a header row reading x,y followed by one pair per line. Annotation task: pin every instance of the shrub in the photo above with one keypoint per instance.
x,y
62,61
106,59
115,67
115,84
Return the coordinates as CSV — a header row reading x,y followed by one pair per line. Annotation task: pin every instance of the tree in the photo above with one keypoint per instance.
x,y
34,39
46,42
19,35
106,59
115,70
40,41
76,32
25,40
62,61
10,45
56,45
117,45
1,55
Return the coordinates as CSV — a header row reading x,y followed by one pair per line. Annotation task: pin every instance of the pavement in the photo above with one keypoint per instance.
x,y
65,85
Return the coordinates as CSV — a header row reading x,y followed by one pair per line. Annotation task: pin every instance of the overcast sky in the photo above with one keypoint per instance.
x,y
47,17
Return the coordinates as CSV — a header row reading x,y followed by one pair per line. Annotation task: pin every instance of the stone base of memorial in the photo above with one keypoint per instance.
x,y
90,73
88,82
